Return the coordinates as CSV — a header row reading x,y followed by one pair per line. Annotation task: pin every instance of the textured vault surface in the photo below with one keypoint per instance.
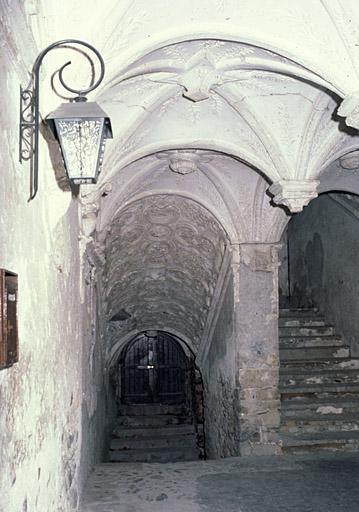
x,y
164,255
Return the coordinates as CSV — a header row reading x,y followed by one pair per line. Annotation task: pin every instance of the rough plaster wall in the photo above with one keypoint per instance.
x,y
221,395
41,396
324,247
283,277
96,400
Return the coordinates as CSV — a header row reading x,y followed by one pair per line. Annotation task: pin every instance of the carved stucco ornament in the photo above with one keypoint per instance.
x,y
294,194
200,77
198,80
183,166
349,108
350,161
185,161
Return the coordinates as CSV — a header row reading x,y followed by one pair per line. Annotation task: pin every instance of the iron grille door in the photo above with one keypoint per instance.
x,y
154,371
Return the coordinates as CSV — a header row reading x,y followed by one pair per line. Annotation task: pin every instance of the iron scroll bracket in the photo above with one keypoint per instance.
x,y
29,126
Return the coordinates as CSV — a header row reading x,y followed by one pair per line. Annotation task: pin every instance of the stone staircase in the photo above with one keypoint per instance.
x,y
319,385
153,433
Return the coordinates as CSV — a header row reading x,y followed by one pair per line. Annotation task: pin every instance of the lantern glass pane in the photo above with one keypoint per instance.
x,y
80,141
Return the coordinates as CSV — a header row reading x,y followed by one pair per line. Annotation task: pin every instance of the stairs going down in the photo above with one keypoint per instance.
x,y
153,433
319,385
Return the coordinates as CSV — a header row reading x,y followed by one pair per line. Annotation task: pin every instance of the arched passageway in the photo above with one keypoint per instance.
x,y
187,256
159,401
319,327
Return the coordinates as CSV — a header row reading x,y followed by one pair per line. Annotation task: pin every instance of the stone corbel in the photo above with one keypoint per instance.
x,y
349,108
89,218
294,194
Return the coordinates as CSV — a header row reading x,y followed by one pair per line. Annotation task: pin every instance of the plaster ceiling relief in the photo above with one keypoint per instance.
x,y
164,255
341,174
235,193
350,161
240,99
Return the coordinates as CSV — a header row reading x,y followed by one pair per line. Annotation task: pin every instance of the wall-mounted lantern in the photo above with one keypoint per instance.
x,y
80,127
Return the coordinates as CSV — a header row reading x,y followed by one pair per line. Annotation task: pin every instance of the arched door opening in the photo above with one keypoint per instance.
x,y
159,400
319,326
154,370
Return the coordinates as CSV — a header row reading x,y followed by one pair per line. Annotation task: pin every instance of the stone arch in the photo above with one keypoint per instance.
x,y
208,71
305,70
164,255
116,349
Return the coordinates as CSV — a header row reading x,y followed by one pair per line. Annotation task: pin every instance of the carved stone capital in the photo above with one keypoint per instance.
x,y
294,194
89,213
349,108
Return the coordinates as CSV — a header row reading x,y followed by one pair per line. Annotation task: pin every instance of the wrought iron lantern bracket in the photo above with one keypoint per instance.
x,y
29,108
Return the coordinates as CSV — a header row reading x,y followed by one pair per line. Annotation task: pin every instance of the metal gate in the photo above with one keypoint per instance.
x,y
153,371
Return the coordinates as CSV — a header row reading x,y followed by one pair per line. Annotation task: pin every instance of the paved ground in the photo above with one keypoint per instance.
x,y
316,483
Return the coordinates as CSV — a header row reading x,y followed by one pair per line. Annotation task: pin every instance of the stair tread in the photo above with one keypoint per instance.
x,y
295,311
321,436
344,416
320,330
324,414
292,404
153,443
147,431
314,362
321,385
162,449
318,371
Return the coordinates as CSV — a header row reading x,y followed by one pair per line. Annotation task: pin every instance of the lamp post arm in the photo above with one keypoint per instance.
x,y
29,108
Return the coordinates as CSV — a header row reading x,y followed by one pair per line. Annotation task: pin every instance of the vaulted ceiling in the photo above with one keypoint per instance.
x,y
235,112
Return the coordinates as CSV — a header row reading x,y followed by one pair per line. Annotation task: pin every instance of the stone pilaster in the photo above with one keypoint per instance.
x,y
256,312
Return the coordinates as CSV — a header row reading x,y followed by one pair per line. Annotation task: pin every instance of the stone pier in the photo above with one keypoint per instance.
x,y
256,323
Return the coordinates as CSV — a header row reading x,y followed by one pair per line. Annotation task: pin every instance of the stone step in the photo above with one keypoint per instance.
x,y
320,423
160,420
304,321
326,330
155,455
146,432
302,406
298,312
330,441
309,341
326,376
178,441
313,353
329,363
319,386
152,409
318,391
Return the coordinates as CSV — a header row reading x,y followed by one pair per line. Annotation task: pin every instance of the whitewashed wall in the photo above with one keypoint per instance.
x,y
43,396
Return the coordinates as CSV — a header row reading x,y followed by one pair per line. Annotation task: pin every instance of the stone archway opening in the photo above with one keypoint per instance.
x,y
159,401
153,370
165,258
318,326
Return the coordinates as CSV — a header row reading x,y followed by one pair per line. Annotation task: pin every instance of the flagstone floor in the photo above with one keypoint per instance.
x,y
310,483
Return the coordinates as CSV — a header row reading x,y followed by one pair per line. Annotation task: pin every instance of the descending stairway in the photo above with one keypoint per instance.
x,y
319,385
153,433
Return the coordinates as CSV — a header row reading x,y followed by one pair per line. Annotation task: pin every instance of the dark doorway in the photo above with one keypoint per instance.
x,y
153,370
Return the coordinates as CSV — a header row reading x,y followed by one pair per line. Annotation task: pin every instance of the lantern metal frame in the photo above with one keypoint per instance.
x,y
29,131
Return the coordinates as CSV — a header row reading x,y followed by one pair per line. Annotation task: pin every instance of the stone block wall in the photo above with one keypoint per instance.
x,y
241,371
256,311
